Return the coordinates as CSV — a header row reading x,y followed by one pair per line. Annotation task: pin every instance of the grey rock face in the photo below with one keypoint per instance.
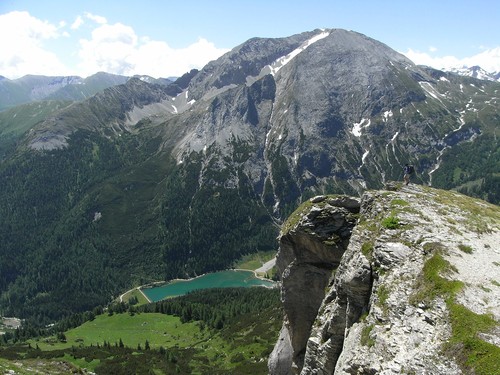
x,y
327,110
343,305
373,318
336,111
280,360
309,251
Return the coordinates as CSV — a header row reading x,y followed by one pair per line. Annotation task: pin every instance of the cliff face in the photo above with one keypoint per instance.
x,y
398,288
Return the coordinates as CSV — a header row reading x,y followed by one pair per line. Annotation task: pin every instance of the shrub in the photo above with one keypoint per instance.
x,y
366,340
367,249
390,222
465,248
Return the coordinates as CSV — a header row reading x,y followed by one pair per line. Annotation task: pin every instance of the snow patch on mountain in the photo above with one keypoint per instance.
x,y
429,89
358,126
461,122
365,154
387,114
476,72
153,109
282,61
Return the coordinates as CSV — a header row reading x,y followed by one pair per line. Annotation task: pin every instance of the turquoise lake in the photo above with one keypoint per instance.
x,y
222,279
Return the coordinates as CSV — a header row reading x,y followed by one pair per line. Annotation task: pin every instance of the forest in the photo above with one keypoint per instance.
x,y
473,169
81,224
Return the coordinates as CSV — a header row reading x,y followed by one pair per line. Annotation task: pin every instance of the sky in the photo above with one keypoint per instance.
x,y
165,38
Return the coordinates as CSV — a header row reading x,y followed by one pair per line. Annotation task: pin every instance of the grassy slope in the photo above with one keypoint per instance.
x,y
17,121
238,348
158,329
253,261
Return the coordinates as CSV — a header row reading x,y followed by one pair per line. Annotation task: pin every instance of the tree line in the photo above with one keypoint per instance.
x,y
213,308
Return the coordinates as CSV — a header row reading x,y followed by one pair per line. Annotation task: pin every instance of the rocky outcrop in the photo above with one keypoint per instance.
x,y
383,309
310,249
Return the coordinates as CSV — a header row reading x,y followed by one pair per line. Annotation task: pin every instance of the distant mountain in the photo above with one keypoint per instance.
x,y
32,88
145,181
16,121
476,72
160,81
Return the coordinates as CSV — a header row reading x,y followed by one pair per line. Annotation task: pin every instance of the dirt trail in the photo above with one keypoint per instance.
x,y
266,266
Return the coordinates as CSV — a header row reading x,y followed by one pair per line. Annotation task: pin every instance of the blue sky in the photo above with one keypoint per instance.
x,y
167,38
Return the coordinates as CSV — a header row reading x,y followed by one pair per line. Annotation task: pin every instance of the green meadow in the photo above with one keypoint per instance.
x,y
240,348
147,339
142,341
255,260
133,330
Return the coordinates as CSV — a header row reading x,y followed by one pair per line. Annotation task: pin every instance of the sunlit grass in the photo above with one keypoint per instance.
x,y
158,329
464,345
135,294
253,261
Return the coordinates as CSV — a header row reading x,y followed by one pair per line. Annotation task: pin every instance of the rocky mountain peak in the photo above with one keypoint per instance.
x,y
476,72
225,153
326,108
395,292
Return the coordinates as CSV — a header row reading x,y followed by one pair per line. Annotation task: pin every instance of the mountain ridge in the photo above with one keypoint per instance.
x,y
383,295
477,72
31,88
181,173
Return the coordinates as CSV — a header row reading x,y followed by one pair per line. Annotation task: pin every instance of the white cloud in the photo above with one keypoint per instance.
x,y
488,60
109,50
28,46
117,49
97,19
22,25
77,23
424,58
22,44
157,58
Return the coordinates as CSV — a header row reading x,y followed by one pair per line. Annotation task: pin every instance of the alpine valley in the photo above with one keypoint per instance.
x,y
112,182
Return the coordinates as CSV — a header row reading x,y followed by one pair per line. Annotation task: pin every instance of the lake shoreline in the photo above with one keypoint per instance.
x,y
231,278
255,272
158,284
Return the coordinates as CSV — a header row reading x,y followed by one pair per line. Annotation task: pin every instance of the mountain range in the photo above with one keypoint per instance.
x,y
114,187
476,72
36,88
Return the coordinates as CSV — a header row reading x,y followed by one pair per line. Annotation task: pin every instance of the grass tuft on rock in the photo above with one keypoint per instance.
x,y
465,345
